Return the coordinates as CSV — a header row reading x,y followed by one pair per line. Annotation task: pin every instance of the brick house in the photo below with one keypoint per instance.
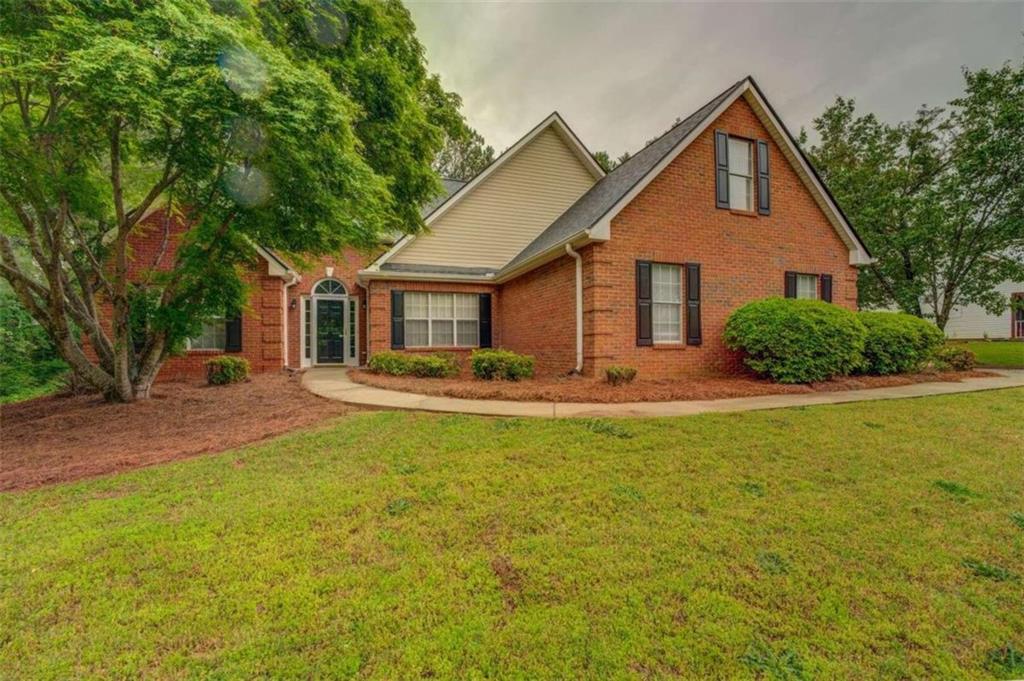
x,y
544,253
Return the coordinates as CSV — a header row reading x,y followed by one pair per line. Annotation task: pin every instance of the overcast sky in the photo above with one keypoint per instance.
x,y
620,73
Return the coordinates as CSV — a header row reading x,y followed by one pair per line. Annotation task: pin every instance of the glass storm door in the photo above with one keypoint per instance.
x,y
330,331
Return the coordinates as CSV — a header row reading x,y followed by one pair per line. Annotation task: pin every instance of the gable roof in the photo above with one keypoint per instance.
x,y
591,215
553,121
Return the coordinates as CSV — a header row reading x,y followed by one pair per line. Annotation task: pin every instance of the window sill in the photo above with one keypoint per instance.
x,y
674,345
439,348
206,351
743,213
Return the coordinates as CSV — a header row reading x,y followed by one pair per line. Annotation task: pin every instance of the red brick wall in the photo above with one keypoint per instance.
x,y
743,256
154,244
380,311
538,315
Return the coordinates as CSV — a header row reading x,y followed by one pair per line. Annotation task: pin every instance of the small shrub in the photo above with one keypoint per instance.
x,y
897,343
796,341
226,369
955,358
502,365
617,375
437,365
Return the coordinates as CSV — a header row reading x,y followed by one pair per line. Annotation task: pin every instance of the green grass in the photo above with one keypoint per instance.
x,y
805,543
1007,354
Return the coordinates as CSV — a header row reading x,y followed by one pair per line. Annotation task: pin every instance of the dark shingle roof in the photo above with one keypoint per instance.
x,y
450,187
600,198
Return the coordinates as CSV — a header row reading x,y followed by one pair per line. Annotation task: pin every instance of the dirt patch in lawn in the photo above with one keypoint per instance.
x,y
581,389
56,439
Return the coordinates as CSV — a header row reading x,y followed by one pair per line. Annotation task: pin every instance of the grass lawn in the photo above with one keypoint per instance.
x,y
998,353
872,540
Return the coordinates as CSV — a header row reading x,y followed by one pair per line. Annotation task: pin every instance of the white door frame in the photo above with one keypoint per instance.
x,y
350,327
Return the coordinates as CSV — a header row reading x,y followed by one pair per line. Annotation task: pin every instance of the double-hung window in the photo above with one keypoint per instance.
x,y
741,174
212,337
666,303
441,319
807,286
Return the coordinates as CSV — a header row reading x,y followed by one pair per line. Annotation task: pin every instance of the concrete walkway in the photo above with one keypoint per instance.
x,y
334,384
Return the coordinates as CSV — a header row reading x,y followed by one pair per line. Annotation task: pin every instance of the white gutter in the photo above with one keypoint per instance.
x,y
295,279
579,307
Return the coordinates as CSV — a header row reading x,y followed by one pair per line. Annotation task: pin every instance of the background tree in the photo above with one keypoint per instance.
x,y
299,125
465,153
939,200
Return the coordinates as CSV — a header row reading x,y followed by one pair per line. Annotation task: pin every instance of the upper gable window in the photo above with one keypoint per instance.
x,y
741,174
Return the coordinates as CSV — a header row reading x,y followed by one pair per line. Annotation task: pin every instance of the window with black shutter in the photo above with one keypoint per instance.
x,y
233,333
826,288
763,185
397,320
693,331
721,169
644,334
485,320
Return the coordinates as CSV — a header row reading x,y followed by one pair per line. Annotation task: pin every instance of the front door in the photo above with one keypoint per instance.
x,y
330,331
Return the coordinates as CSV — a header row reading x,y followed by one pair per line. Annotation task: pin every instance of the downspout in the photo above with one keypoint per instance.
x,y
579,307
366,303
284,315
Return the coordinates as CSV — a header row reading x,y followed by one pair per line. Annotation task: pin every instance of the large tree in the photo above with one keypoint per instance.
x,y
939,200
303,125
465,153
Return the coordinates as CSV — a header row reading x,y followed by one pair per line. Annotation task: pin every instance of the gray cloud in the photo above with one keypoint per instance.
x,y
620,73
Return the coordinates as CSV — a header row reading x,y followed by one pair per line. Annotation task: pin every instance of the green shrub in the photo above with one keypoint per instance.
x,y
796,341
954,357
617,375
29,365
897,343
226,369
437,365
502,365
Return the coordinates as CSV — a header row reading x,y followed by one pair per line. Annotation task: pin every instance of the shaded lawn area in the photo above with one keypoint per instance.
x,y
1009,354
866,540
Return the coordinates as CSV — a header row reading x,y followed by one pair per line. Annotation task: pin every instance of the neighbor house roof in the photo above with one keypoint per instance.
x,y
450,187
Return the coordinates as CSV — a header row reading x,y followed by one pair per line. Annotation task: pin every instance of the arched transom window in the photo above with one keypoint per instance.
x,y
330,287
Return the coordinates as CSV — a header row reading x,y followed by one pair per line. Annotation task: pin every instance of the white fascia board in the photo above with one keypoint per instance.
x,y
564,131
275,267
369,274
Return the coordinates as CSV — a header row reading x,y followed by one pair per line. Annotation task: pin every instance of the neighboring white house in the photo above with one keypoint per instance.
x,y
972,321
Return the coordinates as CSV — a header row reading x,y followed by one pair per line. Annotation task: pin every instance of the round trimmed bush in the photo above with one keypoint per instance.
x,y
501,365
955,357
796,341
898,343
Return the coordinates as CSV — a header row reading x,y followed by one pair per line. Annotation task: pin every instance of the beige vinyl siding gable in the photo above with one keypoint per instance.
x,y
507,210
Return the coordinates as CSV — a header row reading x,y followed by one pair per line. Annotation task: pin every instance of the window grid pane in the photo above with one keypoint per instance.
x,y
442,319
740,157
741,192
806,286
666,322
666,283
211,337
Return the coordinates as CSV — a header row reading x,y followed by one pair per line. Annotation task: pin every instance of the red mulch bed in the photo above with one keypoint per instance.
x,y
56,439
580,389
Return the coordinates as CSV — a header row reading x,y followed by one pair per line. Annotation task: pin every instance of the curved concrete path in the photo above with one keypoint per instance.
x,y
333,383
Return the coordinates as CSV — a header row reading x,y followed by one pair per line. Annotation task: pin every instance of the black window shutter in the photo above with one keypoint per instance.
x,y
693,333
397,320
485,320
764,195
826,288
233,333
721,169
791,284
644,335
